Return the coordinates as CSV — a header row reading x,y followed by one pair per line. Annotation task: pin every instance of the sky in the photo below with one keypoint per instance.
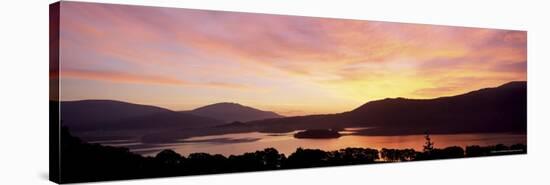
x,y
182,59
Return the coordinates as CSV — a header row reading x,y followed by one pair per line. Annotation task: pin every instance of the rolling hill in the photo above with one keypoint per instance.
x,y
498,109
93,115
231,112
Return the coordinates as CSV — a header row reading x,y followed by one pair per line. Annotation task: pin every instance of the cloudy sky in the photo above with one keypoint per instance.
x,y
182,59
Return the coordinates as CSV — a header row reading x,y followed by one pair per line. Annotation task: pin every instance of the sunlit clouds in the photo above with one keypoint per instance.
x,y
292,65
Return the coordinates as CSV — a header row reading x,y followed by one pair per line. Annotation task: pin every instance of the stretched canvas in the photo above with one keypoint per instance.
x,y
143,92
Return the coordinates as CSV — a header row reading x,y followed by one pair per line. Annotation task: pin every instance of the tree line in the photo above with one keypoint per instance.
x,y
82,162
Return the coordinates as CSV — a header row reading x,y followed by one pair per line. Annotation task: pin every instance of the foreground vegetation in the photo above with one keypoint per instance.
x,y
82,161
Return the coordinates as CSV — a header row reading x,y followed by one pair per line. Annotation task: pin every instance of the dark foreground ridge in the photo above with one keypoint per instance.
x,y
84,162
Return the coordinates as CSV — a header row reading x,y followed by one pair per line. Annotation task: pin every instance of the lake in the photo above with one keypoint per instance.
x,y
239,143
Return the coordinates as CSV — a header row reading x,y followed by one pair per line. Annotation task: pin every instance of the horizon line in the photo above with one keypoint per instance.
x,y
128,102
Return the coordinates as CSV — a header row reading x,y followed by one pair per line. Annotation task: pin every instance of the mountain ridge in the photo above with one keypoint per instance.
x,y
488,110
231,112
93,115
495,109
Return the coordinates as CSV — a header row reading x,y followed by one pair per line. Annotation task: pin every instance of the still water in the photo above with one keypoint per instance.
x,y
228,144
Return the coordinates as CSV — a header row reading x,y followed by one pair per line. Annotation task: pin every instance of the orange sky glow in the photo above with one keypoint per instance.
x,y
182,59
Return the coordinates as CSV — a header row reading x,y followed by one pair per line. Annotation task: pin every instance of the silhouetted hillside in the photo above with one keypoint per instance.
x,y
499,109
490,110
92,115
167,120
230,112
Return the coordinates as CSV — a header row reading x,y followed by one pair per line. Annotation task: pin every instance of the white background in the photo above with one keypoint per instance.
x,y
24,91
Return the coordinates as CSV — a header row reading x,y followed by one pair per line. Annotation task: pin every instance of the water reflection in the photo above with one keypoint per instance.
x,y
239,143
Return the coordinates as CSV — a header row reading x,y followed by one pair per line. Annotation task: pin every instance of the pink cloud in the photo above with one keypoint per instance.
x,y
242,51
120,77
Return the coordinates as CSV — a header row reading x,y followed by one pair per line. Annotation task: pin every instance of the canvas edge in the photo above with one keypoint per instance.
x,y
54,125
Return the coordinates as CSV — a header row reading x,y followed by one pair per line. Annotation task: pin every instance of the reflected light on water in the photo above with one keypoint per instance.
x,y
239,143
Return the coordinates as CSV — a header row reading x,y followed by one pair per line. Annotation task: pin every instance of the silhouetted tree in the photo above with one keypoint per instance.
x,y
407,154
81,161
358,155
202,163
451,152
519,148
169,157
171,162
393,155
500,147
267,159
335,158
271,158
428,145
306,158
475,151
389,154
